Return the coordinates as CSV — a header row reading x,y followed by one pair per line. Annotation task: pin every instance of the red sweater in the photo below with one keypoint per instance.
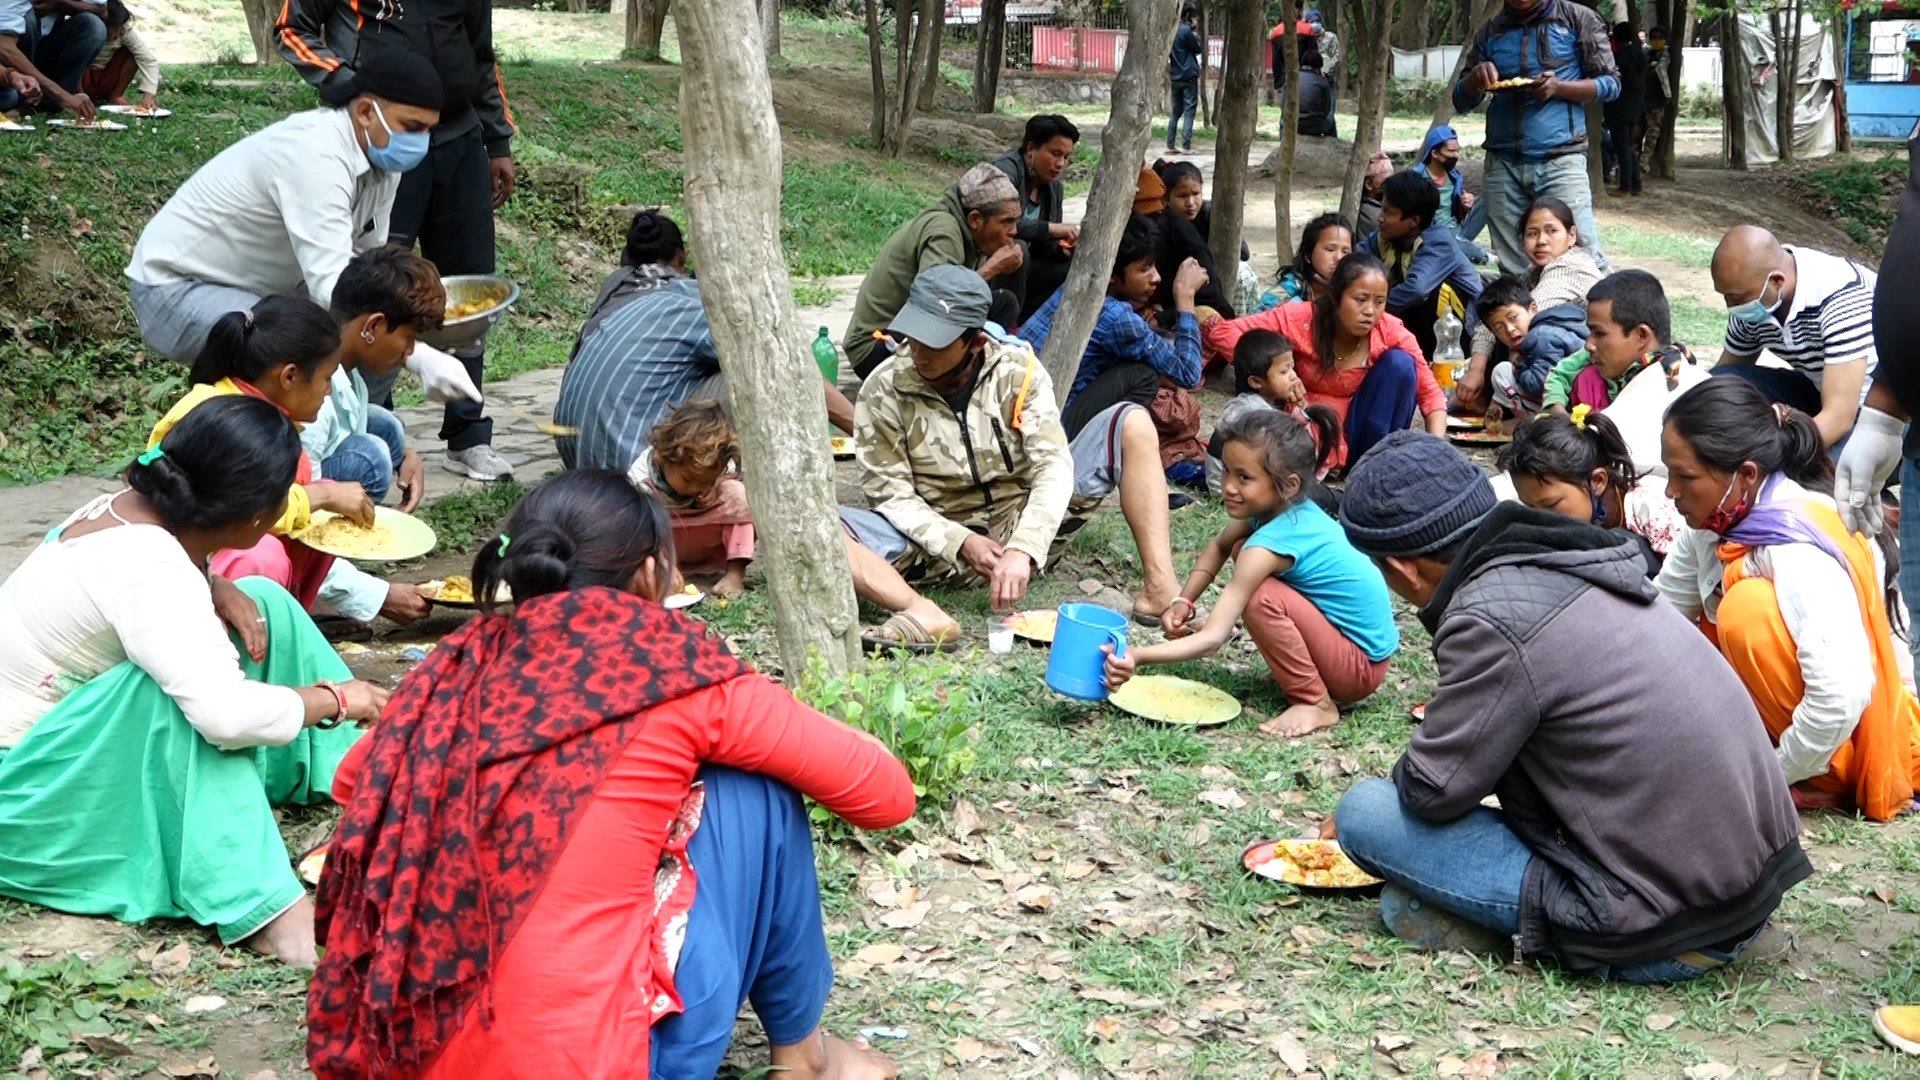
x,y
1335,390
571,990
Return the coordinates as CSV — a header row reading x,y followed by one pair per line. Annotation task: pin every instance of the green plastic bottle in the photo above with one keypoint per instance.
x,y
827,356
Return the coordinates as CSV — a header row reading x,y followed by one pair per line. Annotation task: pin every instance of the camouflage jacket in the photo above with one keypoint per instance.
x,y
939,476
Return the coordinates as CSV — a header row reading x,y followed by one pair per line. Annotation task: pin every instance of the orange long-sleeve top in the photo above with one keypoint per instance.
x,y
1335,389
571,991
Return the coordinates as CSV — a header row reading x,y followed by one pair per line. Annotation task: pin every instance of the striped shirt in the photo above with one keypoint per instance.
x,y
1829,322
641,362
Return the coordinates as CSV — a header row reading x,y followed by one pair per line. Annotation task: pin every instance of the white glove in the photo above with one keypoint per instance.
x,y
442,375
1868,459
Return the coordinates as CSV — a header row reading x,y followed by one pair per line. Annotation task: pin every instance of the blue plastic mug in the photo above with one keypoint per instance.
x,y
1076,667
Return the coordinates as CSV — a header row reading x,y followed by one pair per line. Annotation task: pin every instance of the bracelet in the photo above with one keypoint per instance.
x,y
340,703
1191,606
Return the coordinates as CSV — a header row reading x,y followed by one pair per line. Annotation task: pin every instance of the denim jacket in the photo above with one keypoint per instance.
x,y
1560,38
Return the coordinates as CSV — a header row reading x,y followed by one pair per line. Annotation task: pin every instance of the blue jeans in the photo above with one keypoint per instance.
x,y
65,51
1473,867
1471,226
754,933
370,460
1511,185
1186,102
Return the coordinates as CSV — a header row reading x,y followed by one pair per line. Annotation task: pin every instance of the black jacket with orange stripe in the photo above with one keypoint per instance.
x,y
328,40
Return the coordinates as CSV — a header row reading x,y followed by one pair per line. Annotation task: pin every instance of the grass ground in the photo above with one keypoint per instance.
x,y
1078,907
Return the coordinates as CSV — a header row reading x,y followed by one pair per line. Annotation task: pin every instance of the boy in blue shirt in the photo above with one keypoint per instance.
x,y
1427,271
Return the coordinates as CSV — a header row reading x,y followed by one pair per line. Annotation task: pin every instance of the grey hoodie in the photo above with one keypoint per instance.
x,y
1623,749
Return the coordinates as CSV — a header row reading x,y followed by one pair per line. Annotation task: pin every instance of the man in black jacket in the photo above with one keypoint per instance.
x,y
1644,832
445,204
1035,167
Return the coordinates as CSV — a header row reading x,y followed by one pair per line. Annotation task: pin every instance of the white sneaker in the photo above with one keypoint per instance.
x,y
481,463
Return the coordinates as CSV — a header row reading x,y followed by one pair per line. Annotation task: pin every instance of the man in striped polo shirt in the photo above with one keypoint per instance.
x,y
1808,308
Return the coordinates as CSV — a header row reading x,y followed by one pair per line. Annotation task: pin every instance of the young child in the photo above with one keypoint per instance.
x,y
284,351
1315,607
1427,271
1629,328
1264,379
1528,342
1578,466
692,464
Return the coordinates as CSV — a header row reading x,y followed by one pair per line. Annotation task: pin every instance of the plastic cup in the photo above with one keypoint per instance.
x,y
999,634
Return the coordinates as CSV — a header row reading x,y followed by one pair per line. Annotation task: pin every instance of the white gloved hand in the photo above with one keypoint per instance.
x,y
442,375
1869,458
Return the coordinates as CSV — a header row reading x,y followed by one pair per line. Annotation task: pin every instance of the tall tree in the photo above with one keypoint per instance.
x,y
877,119
990,55
770,26
1733,86
1375,58
1289,131
733,159
1141,81
930,82
912,63
1678,17
261,17
1234,125
1443,112
646,21
1786,74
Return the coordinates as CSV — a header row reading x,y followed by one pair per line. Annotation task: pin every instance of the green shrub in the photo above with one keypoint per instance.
x,y
51,1004
918,710
1859,193
1418,97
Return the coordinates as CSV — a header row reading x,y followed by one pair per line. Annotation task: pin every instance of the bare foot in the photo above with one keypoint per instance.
x,y
1303,719
825,1057
1152,602
730,587
289,937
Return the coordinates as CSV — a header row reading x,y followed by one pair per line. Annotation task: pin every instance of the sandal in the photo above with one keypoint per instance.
x,y
905,633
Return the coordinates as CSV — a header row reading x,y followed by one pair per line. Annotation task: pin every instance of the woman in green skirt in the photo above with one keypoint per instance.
x,y
152,715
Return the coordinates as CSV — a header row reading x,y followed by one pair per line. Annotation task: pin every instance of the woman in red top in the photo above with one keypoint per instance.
x,y
544,869
1353,356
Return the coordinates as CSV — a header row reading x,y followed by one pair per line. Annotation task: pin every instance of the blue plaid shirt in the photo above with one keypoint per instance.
x,y
1121,336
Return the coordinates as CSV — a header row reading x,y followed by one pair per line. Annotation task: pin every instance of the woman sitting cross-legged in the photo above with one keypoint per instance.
x,y
1353,356
142,749
1316,608
1794,601
575,843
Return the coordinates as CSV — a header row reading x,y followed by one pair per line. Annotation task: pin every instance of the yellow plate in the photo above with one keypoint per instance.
x,y
1171,700
1312,864
1035,625
313,864
394,536
842,446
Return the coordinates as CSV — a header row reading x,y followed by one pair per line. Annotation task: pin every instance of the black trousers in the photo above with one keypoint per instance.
x,y
1137,383
1782,386
445,204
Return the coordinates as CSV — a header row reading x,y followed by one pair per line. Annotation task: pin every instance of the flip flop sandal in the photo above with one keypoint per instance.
x,y
905,633
1153,621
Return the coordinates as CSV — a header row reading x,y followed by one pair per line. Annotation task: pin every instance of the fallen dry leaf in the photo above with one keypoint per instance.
x,y
1391,1043
880,952
204,1069
1483,1066
1851,903
31,1060
1360,958
1292,1054
106,1045
1027,1046
263,1074
1090,587
907,918
967,1051
1224,798
1106,1028
1884,894
963,820
173,962
1036,898
1659,1021
203,1003
1082,868
1708,1070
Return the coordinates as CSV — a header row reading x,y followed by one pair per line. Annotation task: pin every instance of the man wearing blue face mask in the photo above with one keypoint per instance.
x,y
282,211
446,204
1812,310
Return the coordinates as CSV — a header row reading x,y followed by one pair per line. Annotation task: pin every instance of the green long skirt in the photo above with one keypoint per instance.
x,y
114,805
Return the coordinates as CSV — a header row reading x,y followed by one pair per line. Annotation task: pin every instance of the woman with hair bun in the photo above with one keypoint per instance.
x,y
1796,602
142,751
577,834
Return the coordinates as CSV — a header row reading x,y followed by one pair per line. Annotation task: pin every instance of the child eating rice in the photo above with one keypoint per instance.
x,y
692,464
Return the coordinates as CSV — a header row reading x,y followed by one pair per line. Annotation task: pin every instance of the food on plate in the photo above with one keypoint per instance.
x,y
1317,864
312,864
467,309
1035,625
1511,84
1172,700
457,589
842,446
343,537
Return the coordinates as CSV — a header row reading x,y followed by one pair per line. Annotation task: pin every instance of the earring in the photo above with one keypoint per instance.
x,y
366,336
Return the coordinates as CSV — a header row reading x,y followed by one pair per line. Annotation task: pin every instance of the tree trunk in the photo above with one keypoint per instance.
x,y
646,21
1200,90
732,165
877,119
770,26
1289,133
1141,81
990,55
930,82
1789,84
1842,127
1234,126
1679,20
1733,78
261,17
1444,111
1410,30
907,93
1374,61
1782,83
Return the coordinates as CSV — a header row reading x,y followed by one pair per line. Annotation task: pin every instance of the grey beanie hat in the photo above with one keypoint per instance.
x,y
1412,495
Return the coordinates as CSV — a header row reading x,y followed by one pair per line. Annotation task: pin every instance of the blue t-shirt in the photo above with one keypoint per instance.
x,y
1330,572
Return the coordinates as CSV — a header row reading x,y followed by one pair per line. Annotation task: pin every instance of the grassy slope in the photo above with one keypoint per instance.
x,y
75,392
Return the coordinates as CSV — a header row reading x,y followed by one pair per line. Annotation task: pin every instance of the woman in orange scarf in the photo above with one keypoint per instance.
x,y
1795,601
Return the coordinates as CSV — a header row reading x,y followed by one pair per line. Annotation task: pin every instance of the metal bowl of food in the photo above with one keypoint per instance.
x,y
474,303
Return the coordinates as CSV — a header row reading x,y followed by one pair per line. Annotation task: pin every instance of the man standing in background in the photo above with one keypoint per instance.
x,y
1183,75
446,204
1330,55
1659,96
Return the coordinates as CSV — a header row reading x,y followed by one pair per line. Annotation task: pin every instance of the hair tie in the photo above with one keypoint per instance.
x,y
248,316
1579,416
504,538
150,455
1780,415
